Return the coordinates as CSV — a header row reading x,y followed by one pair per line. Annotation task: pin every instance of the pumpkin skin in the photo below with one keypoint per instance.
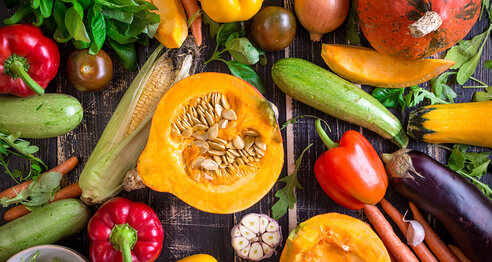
x,y
166,162
334,237
385,25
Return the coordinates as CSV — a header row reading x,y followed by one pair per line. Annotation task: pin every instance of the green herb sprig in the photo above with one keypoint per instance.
x,y
12,145
231,37
91,23
353,37
390,97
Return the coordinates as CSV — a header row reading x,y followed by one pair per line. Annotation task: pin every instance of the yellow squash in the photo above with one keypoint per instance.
x,y
334,237
173,28
365,66
198,258
226,11
464,123
214,143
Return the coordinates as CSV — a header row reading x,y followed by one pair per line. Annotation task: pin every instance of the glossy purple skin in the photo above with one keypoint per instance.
x,y
464,211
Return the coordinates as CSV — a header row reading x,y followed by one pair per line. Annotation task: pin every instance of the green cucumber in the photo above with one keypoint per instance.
x,y
337,97
45,225
45,116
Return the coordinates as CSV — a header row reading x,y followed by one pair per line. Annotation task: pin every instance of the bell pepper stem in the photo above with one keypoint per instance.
x,y
18,68
123,238
324,137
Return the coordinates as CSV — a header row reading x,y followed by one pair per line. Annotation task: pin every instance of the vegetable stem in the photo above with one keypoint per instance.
x,y
324,137
18,68
123,237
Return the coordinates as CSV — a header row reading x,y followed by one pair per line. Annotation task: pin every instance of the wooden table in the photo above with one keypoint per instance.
x,y
187,230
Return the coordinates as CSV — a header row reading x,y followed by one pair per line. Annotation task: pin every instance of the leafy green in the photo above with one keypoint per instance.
x,y
231,37
32,258
38,193
286,195
483,96
91,23
441,89
213,26
467,55
11,145
353,37
471,165
390,97
417,94
193,17
488,64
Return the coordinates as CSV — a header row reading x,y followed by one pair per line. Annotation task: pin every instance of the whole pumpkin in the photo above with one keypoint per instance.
x,y
414,29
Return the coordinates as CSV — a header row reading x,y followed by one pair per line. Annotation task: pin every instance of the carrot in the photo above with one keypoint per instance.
x,y
70,191
63,168
191,7
421,249
457,251
442,252
400,251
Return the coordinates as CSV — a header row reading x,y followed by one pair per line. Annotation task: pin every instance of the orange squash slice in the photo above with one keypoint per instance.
x,y
173,28
365,66
214,143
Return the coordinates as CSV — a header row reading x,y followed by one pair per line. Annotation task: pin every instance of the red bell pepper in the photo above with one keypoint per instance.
x,y
350,172
123,230
28,60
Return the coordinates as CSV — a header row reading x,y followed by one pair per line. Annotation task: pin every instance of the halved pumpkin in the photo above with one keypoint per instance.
x,y
334,237
214,143
365,66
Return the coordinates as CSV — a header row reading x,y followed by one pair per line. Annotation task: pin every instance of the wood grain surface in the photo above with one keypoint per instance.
x,y
189,231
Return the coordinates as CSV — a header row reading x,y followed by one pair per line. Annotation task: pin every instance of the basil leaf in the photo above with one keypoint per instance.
x,y
127,53
228,29
116,31
35,4
118,4
118,15
243,51
75,25
144,22
246,73
389,97
98,28
22,12
59,11
45,7
212,25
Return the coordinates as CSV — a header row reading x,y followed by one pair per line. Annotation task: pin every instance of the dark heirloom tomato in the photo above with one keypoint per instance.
x,y
273,28
87,72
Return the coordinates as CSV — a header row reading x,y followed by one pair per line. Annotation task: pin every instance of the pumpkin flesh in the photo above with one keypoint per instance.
x,y
333,237
169,162
385,25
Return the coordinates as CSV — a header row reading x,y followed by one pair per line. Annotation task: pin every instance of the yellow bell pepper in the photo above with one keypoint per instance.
x,y
198,258
173,28
226,11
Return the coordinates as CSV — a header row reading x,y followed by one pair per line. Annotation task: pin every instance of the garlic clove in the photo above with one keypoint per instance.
x,y
263,224
245,251
240,243
236,232
415,233
272,227
252,222
271,238
256,251
266,248
245,232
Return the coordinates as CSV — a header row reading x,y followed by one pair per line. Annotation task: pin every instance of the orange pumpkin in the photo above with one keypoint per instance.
x,y
413,29
214,143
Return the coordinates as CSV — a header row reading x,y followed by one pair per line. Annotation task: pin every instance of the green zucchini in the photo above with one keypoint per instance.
x,y
45,116
45,225
337,97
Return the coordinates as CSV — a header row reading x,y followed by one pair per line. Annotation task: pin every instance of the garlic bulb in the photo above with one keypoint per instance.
x,y
415,232
256,237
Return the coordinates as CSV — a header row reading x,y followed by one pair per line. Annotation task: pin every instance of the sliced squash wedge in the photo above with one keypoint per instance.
x,y
173,28
214,143
365,66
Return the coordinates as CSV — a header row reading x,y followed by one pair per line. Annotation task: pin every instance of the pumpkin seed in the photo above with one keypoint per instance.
x,y
259,152
230,145
200,135
203,120
216,152
175,127
209,118
260,144
197,162
238,142
213,131
230,157
196,121
209,164
243,153
234,152
202,145
224,102
217,159
240,161
224,159
250,132
185,123
229,114
223,123
218,140
207,176
216,146
187,133
248,142
193,110
180,126
223,166
218,110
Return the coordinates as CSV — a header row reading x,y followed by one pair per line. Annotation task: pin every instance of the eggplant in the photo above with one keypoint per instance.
x,y
464,211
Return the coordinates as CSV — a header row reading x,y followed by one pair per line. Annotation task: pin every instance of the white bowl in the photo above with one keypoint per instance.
x,y
47,253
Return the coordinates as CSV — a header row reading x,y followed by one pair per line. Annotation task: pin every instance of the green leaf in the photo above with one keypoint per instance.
x,y
118,15
389,97
23,11
286,195
464,50
488,64
227,29
212,25
193,17
38,193
483,96
126,53
35,4
468,68
417,94
353,37
45,7
247,73
243,51
98,28
441,89
75,25
117,31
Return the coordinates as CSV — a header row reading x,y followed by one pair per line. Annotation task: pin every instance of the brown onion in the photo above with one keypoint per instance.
x,y
321,16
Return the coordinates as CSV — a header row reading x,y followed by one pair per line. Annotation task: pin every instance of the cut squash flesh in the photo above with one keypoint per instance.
x,y
173,28
367,67
214,143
